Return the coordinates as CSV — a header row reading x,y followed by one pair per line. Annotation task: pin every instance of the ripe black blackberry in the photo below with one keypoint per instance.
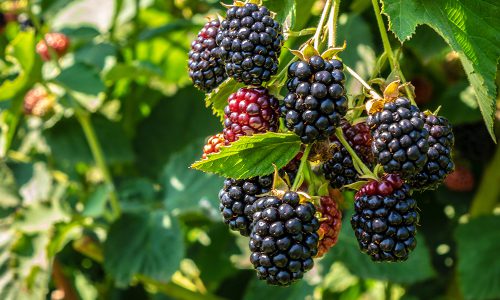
x,y
316,100
399,138
385,219
250,41
206,69
339,170
283,239
250,111
236,199
439,163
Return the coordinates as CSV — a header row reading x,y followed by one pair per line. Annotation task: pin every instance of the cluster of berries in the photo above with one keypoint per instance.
x,y
286,230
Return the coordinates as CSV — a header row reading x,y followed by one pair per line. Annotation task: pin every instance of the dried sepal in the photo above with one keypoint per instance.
x,y
333,51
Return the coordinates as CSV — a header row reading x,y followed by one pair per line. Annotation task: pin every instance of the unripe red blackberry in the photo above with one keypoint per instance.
x,y
37,102
58,42
250,41
439,163
236,199
213,144
316,101
283,240
400,141
250,111
206,69
360,139
330,224
385,219
460,180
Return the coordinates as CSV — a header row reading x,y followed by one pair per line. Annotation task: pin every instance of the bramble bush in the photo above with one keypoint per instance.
x,y
203,150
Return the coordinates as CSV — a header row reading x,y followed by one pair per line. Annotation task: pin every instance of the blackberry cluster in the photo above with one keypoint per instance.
x,y
236,199
316,100
213,144
283,239
205,68
54,40
331,222
339,170
399,138
250,43
250,111
439,163
385,219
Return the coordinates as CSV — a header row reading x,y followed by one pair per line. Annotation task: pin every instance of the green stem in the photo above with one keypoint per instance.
x,y
95,147
388,50
366,171
486,196
372,92
303,161
321,24
332,23
116,13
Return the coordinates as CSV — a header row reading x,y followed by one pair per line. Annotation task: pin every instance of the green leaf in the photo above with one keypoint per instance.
x,y
478,269
96,202
417,268
187,190
21,52
81,33
95,54
166,29
258,289
284,9
252,156
81,78
133,70
470,27
218,97
147,243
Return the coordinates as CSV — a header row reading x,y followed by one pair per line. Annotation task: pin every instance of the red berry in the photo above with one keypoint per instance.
x,y
57,41
385,186
331,222
213,144
37,102
460,180
250,111
360,139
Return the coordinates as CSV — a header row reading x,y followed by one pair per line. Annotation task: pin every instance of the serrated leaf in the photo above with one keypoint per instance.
x,y
478,271
252,156
147,243
469,27
217,99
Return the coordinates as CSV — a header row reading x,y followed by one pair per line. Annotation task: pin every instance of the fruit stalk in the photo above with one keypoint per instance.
x,y
366,171
321,24
372,92
332,23
303,161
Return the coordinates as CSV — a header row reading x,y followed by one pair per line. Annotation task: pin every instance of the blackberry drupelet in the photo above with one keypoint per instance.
x,y
206,69
330,224
250,111
250,41
316,101
213,144
385,219
339,170
54,40
236,199
283,239
439,163
400,142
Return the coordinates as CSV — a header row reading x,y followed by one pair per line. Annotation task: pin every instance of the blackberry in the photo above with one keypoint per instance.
x,y
400,142
236,199
250,43
283,240
213,144
292,168
206,69
316,101
339,170
57,41
250,111
439,163
385,219
460,180
37,102
331,222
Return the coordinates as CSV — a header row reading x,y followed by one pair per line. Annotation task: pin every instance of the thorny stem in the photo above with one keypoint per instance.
x,y
372,92
366,171
321,24
332,23
388,50
303,162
